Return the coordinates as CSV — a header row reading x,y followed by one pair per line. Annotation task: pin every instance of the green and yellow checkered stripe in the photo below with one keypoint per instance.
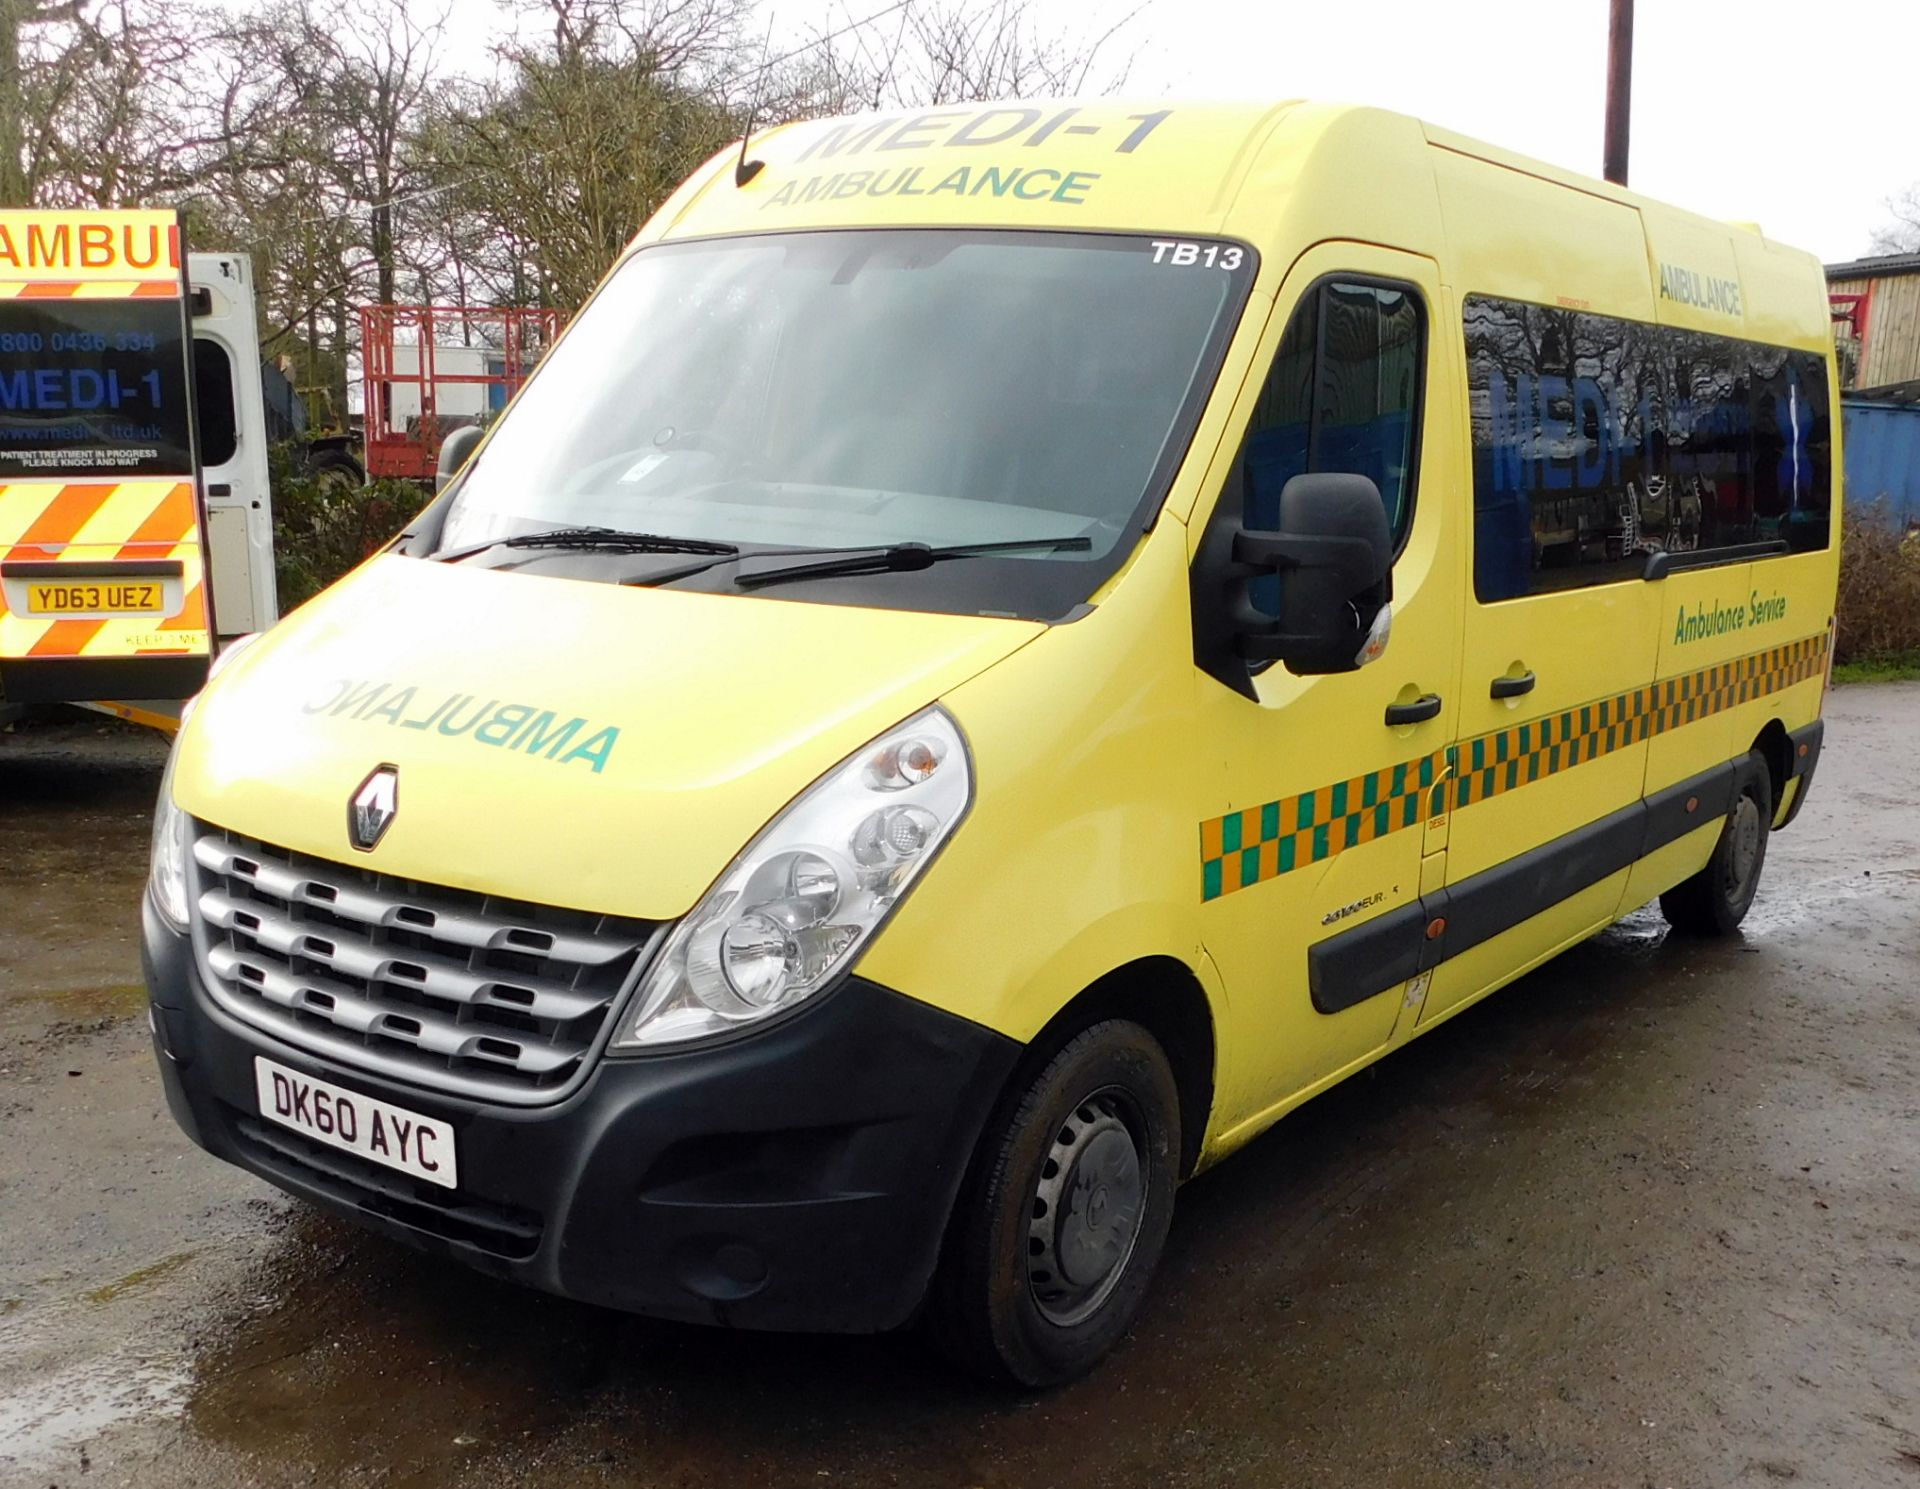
x,y
1510,758
1263,842
1266,841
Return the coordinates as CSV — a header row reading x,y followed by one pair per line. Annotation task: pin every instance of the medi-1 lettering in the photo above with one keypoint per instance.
x,y
76,389
995,126
962,129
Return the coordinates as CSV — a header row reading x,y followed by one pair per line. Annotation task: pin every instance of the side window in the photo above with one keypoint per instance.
x,y
1343,395
1597,441
213,402
1800,447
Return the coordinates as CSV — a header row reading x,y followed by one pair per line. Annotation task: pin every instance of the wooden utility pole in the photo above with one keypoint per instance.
x,y
1619,89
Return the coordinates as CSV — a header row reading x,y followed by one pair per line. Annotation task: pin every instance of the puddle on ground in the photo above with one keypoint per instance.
x,y
1639,934
97,1002
46,1414
140,1277
58,1412
347,1349
1774,910
410,1354
96,1007
1778,912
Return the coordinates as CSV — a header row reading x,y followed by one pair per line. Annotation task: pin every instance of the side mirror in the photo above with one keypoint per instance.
x,y
1334,555
454,450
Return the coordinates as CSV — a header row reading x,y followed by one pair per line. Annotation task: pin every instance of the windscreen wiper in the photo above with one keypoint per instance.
x,y
898,558
611,539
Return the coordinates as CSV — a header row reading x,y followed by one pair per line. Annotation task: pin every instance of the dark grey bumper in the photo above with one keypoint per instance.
x,y
796,1178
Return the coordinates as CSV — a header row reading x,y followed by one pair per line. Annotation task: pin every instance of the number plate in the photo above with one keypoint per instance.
x,y
97,597
356,1124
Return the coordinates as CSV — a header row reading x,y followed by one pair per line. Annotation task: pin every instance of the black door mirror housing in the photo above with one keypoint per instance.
x,y
1333,552
454,450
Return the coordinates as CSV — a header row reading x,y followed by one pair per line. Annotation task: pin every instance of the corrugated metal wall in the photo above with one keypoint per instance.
x,y
1883,457
1893,328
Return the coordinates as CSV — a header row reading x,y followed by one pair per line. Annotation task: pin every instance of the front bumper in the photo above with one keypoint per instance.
x,y
799,1177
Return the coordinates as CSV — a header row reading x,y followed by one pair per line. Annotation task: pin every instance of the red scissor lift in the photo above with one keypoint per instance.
x,y
413,355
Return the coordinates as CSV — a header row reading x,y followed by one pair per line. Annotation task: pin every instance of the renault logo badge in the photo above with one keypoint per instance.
x,y
372,809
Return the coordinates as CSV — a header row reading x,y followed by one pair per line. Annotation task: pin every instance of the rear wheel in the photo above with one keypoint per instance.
x,y
1062,1220
1715,900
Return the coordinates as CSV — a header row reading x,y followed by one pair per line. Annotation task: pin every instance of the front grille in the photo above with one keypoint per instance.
x,y
465,993
499,1229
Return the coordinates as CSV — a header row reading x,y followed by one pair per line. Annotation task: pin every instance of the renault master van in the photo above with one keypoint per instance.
x,y
1007,648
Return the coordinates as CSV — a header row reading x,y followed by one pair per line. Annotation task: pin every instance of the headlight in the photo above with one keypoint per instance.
x,y
167,868
793,909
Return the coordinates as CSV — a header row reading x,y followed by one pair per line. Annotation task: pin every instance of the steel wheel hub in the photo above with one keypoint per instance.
x,y
1744,847
1087,1211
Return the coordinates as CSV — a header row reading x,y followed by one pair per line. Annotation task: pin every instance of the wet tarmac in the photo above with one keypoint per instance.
x,y
1650,1217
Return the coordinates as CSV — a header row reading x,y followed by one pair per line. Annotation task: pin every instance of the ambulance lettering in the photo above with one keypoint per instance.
x,y
524,728
64,246
1702,291
1026,183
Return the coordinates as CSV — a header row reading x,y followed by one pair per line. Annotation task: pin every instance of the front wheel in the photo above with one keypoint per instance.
x,y
1062,1220
1715,900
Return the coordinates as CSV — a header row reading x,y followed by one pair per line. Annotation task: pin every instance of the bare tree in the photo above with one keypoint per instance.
x,y
559,163
1902,234
960,51
326,138
23,50
354,78
294,143
77,123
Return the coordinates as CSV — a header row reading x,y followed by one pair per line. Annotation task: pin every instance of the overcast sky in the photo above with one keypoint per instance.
x,y
1800,115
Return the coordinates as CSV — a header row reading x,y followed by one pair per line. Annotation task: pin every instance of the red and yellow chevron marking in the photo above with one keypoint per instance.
x,y
89,289
92,525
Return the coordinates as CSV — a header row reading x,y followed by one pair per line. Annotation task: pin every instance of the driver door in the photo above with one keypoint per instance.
x,y
1322,831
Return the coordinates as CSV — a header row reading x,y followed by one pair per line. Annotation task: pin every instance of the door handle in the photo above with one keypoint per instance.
x,y
1425,707
1512,687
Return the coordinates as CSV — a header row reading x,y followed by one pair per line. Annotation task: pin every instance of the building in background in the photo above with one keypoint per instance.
x,y
1876,319
1876,331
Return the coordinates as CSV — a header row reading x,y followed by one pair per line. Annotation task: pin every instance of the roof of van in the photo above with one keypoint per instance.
x,y
1280,176
1102,163
1154,164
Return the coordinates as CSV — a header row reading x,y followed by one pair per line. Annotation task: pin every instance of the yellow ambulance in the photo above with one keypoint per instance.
x,y
103,588
1006,648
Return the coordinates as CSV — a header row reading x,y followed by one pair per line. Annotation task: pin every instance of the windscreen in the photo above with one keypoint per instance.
x,y
833,389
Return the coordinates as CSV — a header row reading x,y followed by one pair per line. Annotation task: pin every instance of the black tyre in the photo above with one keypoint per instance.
x,y
1715,900
336,469
1064,1214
